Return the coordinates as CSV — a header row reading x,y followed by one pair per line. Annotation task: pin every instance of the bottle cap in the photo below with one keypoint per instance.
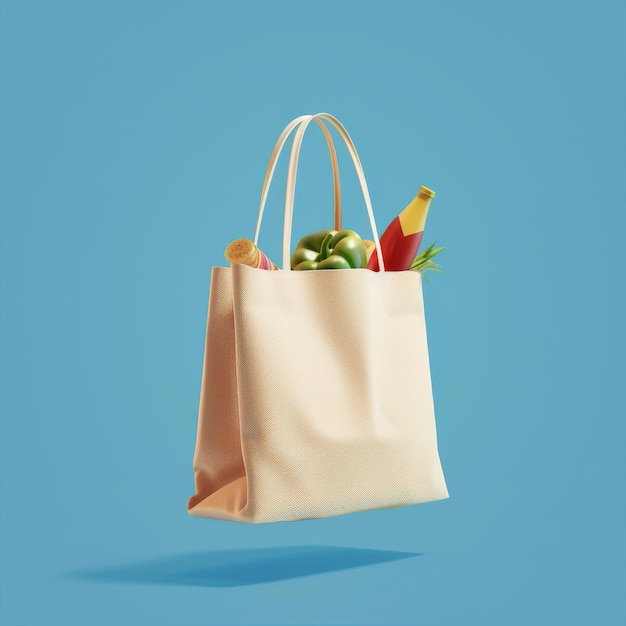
x,y
427,192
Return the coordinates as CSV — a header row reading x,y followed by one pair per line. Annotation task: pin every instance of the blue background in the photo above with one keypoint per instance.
x,y
135,137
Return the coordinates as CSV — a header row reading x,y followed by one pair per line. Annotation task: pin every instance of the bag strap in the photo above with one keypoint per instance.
x,y
274,160
291,183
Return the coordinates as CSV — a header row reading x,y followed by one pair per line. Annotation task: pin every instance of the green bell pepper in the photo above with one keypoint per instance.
x,y
329,249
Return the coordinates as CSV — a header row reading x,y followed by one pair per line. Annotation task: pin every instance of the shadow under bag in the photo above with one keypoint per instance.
x,y
316,394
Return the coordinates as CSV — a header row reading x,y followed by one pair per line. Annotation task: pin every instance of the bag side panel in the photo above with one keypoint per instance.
x,y
218,460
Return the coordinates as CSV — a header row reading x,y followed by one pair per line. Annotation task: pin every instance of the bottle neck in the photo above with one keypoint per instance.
x,y
413,217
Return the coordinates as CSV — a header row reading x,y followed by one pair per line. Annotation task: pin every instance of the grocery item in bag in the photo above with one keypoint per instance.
x,y
245,252
329,249
403,236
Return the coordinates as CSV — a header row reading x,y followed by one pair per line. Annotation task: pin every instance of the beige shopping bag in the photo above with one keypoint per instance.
x,y
316,394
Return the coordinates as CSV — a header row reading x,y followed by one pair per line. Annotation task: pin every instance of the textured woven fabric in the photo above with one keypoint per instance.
x,y
316,396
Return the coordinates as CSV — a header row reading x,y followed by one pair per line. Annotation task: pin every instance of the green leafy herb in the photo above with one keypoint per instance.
x,y
423,261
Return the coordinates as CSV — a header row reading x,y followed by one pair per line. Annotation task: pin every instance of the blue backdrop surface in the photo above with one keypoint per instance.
x,y
134,141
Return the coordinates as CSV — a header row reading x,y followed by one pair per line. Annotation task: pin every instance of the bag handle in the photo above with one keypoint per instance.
x,y
291,183
274,160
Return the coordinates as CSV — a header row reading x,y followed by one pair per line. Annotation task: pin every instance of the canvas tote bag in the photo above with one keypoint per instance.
x,y
316,394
